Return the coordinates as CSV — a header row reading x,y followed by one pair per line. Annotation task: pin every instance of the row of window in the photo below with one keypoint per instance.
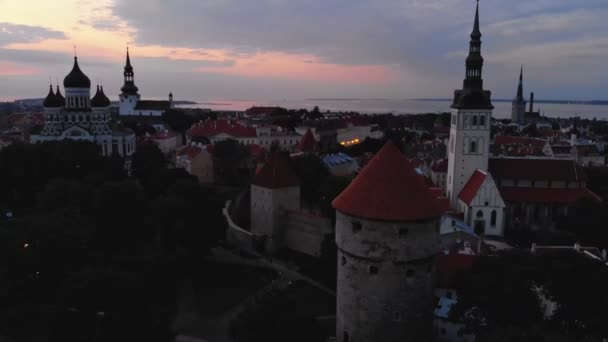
x,y
77,118
475,120
78,101
357,227
493,217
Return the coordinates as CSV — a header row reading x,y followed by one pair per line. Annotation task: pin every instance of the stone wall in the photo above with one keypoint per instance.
x,y
305,232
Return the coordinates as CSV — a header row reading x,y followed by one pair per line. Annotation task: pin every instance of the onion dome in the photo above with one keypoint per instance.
x,y
60,97
51,100
100,99
389,189
76,78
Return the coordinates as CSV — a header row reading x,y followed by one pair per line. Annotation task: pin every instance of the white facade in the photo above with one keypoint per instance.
x,y
127,104
468,148
486,212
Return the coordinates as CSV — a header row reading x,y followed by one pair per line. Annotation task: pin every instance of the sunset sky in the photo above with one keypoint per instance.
x,y
296,49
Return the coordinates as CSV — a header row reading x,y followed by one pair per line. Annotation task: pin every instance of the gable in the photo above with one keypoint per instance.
x,y
487,193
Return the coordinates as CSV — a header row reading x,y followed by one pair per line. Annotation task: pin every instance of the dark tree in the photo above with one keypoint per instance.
x,y
230,160
312,173
178,121
148,161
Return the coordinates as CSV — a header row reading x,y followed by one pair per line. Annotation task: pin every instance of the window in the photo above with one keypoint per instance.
x,y
473,147
442,331
453,223
373,270
409,273
346,337
397,316
487,203
403,232
482,120
493,218
343,261
454,118
475,120
480,214
357,227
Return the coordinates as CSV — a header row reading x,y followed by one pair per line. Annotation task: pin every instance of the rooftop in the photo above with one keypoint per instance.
x,y
389,189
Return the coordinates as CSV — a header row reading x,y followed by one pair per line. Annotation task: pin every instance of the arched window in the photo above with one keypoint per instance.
x,y
473,147
493,218
475,120
482,120
480,214
467,120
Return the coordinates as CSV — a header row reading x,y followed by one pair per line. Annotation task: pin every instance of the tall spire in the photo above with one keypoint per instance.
x,y
476,32
472,94
129,87
520,87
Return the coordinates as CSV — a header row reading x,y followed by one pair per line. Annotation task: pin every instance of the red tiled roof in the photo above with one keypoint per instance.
x,y
546,195
470,189
449,266
163,136
276,173
511,140
536,169
212,128
441,166
308,143
388,189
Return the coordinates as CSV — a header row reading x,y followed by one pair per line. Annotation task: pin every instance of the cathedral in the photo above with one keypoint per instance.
x,y
77,116
131,103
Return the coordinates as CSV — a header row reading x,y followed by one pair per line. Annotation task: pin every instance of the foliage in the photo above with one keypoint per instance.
x,y
148,162
88,240
231,163
312,173
498,301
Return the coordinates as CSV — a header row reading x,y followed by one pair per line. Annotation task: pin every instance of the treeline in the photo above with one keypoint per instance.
x,y
91,253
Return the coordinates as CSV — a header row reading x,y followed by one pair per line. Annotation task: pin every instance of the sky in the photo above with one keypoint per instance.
x,y
210,50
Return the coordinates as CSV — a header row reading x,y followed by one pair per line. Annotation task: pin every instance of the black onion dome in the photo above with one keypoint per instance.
x,y
51,101
100,99
76,78
60,97
105,99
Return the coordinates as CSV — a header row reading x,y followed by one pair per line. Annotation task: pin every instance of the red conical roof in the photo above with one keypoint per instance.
x,y
388,189
308,144
276,173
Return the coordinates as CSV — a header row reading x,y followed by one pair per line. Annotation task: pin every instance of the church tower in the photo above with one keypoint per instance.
x,y
129,96
387,237
470,127
518,111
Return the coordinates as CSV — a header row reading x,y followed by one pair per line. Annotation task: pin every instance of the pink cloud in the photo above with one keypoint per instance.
x,y
304,67
12,69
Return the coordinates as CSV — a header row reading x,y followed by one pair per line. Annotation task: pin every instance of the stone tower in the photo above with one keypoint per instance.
x,y
274,189
471,121
518,108
387,237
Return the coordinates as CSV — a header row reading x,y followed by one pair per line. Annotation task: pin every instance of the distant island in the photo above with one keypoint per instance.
x,y
573,102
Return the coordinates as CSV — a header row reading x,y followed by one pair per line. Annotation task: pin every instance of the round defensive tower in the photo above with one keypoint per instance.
x,y
387,237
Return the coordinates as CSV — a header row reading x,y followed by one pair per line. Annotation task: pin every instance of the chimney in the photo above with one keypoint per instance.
x,y
531,102
577,247
604,254
533,249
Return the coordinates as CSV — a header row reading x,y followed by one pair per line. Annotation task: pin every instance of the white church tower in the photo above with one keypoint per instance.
x,y
470,128
129,96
